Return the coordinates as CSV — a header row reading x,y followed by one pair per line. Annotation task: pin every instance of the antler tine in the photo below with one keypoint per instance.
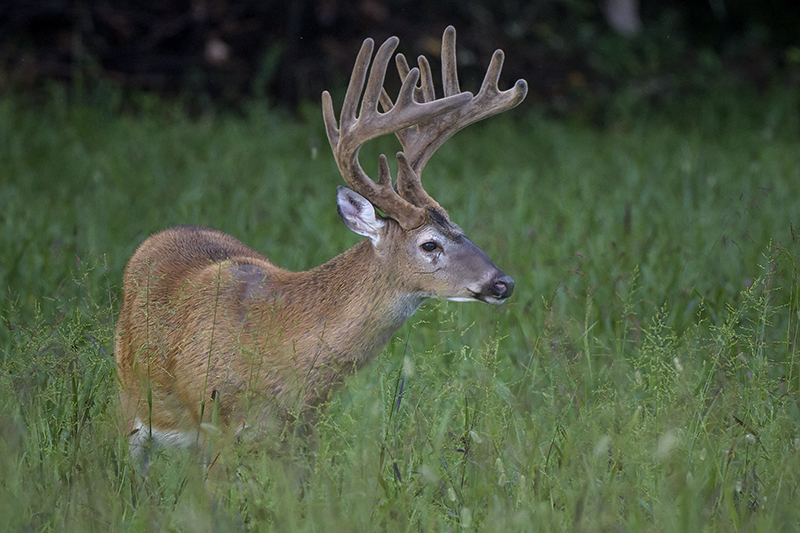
x,y
449,74
421,141
422,93
498,101
353,131
356,84
354,87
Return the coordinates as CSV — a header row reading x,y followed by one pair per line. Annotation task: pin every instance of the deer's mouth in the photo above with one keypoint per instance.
x,y
490,299
475,296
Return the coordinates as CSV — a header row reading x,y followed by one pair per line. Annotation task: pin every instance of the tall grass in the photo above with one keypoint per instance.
x,y
643,377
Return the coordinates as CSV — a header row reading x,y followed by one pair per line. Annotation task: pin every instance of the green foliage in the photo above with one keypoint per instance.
x,y
644,376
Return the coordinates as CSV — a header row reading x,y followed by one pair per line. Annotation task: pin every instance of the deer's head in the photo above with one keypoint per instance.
x,y
414,238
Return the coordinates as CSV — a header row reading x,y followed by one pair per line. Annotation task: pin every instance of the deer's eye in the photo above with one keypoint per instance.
x,y
429,246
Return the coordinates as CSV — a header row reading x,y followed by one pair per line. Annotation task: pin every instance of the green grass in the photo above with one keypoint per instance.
x,y
644,376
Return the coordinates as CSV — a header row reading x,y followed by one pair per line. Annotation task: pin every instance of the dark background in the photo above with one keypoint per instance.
x,y
224,52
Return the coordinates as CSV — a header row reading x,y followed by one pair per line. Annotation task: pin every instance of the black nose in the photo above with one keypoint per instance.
x,y
503,287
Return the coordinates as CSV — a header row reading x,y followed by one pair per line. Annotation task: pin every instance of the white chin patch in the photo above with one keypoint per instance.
x,y
461,299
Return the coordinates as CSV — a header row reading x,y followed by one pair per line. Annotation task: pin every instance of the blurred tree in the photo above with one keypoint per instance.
x,y
290,51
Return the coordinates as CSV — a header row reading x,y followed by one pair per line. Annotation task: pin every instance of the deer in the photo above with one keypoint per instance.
x,y
206,321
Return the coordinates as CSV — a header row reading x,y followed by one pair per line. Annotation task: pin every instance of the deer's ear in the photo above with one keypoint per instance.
x,y
358,214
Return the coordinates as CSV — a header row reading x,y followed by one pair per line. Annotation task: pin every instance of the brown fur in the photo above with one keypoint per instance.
x,y
203,315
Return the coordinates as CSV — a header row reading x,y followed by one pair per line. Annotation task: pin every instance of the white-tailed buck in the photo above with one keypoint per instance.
x,y
205,317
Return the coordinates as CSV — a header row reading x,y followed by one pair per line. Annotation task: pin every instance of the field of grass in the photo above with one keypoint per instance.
x,y
645,375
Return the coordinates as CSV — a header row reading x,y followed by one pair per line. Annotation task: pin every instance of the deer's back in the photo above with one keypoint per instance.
x,y
185,299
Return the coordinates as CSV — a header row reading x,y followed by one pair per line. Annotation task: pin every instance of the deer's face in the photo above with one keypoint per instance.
x,y
435,260
443,263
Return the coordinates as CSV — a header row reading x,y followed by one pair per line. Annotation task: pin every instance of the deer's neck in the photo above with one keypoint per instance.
x,y
348,307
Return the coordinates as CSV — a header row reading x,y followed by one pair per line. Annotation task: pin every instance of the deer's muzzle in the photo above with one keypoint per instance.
x,y
503,287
